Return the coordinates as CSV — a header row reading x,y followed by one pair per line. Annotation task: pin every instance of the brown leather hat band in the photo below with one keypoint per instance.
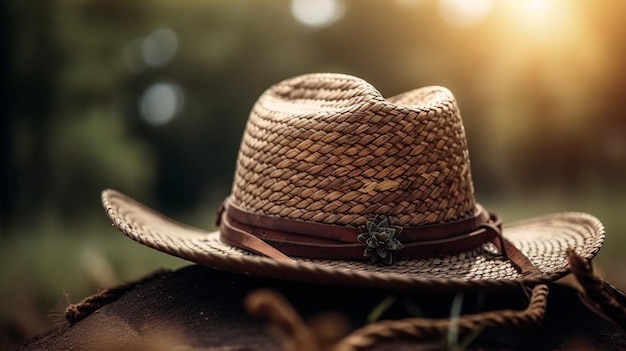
x,y
263,235
253,239
249,238
335,233
277,237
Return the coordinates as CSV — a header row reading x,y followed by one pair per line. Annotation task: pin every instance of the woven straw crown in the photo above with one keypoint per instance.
x,y
329,148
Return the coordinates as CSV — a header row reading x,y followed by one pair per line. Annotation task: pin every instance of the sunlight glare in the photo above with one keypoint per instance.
x,y
317,13
537,11
160,103
159,47
464,13
544,18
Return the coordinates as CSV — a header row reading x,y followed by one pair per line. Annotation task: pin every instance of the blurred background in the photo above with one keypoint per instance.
x,y
151,97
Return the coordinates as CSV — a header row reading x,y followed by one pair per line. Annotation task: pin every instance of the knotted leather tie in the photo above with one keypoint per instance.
x,y
280,238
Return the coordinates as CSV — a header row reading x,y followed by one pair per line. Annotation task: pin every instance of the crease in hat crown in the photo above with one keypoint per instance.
x,y
328,148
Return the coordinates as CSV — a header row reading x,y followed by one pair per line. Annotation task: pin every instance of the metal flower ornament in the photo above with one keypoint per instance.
x,y
380,236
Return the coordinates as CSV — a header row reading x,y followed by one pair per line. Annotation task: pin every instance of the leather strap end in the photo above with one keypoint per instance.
x,y
240,238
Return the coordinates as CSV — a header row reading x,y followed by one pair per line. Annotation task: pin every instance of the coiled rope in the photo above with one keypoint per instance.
x,y
294,334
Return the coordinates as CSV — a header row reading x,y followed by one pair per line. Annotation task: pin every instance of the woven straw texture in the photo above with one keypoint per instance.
x,y
329,148
544,240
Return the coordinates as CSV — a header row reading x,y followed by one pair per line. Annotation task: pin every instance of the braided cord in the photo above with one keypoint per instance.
x,y
294,334
288,326
78,311
598,294
423,328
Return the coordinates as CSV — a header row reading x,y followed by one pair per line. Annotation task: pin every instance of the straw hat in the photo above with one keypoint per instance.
x,y
336,184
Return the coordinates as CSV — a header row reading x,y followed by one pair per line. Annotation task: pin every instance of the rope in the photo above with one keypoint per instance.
x,y
598,294
78,311
423,328
289,328
295,335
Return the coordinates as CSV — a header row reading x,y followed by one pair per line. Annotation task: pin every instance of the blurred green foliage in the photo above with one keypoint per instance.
x,y
542,108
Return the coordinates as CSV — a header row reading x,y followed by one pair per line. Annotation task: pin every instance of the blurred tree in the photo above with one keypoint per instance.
x,y
8,177
31,95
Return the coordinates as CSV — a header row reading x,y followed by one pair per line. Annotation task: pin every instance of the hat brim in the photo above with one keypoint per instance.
x,y
544,240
